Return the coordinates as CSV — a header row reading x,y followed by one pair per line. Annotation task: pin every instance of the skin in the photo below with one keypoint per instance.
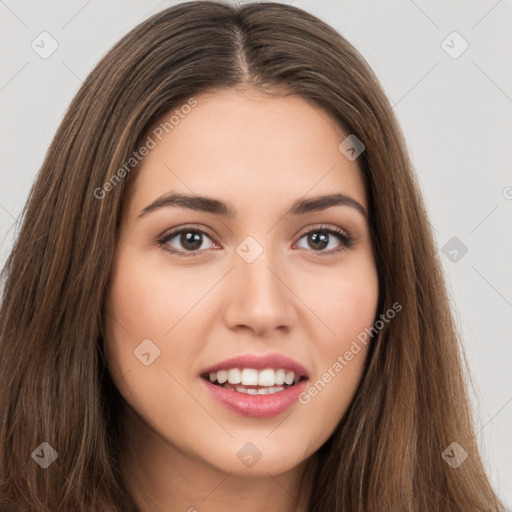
x,y
260,154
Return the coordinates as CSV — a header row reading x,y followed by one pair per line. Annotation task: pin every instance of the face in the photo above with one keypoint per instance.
x,y
280,286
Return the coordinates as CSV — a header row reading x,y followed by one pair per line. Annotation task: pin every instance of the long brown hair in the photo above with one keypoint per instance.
x,y
386,453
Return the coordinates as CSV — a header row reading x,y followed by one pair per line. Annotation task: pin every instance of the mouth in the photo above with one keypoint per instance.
x,y
254,382
256,385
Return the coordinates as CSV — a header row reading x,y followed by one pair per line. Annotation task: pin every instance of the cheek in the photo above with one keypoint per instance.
x,y
353,310
149,300
353,307
348,306
142,306
344,300
137,309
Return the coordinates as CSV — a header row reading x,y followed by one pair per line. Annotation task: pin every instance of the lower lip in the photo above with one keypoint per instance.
x,y
256,406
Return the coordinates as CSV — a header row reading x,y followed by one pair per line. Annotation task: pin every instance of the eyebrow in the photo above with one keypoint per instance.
x,y
216,207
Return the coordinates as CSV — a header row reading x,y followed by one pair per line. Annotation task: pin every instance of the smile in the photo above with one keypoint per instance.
x,y
256,386
252,381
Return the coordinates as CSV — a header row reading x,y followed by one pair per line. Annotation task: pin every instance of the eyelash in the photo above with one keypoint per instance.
x,y
345,239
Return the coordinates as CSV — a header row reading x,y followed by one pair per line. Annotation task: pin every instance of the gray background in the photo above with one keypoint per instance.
x,y
456,114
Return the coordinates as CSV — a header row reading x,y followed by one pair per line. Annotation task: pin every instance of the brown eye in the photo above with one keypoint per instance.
x,y
186,240
320,239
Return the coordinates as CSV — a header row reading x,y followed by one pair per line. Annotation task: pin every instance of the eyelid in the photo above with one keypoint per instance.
x,y
323,227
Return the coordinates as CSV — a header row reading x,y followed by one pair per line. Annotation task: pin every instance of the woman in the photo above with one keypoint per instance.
x,y
226,294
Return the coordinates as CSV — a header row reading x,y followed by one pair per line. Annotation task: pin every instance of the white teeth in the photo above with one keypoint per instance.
x,y
222,376
234,376
289,377
280,377
252,391
267,378
249,377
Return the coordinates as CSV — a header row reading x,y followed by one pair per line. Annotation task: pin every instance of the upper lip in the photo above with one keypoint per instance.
x,y
259,362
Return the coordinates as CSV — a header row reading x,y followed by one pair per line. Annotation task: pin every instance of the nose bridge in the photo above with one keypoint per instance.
x,y
258,282
258,297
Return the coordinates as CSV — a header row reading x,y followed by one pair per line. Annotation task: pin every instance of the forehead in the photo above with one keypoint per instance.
x,y
247,145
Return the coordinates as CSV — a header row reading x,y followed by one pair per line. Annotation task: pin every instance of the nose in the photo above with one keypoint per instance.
x,y
259,298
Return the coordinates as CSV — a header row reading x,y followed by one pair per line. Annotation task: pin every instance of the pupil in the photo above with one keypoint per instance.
x,y
192,238
319,238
